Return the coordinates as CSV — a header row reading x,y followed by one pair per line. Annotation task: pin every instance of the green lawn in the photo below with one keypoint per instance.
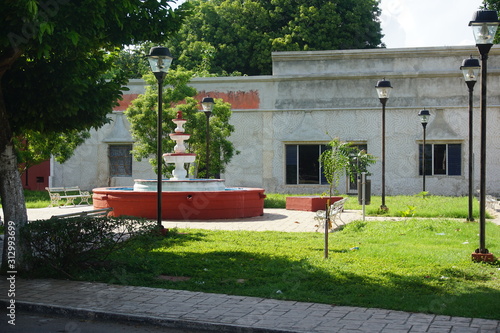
x,y
418,265
401,205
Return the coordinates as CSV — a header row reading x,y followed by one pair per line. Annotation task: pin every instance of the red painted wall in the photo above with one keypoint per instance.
x,y
37,177
125,102
238,99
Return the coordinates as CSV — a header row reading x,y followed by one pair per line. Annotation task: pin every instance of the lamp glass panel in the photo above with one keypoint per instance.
x,y
470,74
207,106
484,32
383,92
424,119
159,65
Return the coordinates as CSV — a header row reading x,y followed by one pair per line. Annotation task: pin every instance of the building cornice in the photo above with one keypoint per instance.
x,y
387,53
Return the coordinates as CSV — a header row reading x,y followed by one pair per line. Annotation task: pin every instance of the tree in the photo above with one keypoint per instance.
x,y
239,35
34,147
142,115
130,61
53,55
341,158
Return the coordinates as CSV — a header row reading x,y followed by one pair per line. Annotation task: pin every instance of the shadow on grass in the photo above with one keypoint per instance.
x,y
251,273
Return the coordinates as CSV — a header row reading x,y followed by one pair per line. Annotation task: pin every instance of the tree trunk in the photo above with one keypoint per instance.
x,y
14,209
11,187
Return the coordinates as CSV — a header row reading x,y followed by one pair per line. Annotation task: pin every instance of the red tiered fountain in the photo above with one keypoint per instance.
x,y
182,198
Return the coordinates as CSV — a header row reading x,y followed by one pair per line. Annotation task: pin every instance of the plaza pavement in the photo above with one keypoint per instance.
x,y
219,312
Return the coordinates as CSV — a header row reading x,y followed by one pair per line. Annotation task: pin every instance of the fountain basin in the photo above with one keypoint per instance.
x,y
182,205
182,185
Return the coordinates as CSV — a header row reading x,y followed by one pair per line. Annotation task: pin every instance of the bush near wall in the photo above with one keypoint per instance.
x,y
59,245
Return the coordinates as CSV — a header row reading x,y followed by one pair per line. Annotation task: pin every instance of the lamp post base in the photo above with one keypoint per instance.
x,y
162,231
483,257
384,208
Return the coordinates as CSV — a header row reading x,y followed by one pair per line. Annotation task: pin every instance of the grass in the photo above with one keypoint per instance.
x,y
39,199
401,205
36,199
418,265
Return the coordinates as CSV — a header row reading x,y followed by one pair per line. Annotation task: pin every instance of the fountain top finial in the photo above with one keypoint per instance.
x,y
179,114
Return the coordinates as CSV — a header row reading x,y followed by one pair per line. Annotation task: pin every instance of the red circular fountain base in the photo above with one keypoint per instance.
x,y
231,203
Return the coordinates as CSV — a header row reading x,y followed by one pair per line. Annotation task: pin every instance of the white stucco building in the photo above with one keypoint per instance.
x,y
282,120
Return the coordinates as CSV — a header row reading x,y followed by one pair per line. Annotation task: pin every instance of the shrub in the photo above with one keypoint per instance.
x,y
64,244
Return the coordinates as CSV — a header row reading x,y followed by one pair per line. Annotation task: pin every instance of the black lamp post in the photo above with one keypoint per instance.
x,y
484,26
208,104
470,68
424,119
383,90
159,60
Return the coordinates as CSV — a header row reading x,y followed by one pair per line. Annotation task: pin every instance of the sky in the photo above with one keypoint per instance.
x,y
421,23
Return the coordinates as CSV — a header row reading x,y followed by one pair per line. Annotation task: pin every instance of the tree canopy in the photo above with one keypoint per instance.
x,y
142,115
229,36
492,5
53,55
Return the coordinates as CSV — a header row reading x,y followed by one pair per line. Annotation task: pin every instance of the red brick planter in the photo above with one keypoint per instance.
x,y
485,257
309,203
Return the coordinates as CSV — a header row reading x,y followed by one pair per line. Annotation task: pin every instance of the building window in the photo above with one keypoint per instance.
x,y
120,161
302,164
353,185
441,159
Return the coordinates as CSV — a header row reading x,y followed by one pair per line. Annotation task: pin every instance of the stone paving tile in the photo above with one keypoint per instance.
x,y
439,329
465,330
420,318
476,322
357,316
373,327
351,324
418,328
395,326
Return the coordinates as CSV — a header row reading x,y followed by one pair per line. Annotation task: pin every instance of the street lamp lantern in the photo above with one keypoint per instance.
x,y
383,91
424,119
484,26
207,103
471,69
159,59
383,88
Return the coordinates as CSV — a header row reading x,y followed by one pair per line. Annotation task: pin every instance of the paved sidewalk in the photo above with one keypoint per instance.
x,y
273,219
196,310
205,311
